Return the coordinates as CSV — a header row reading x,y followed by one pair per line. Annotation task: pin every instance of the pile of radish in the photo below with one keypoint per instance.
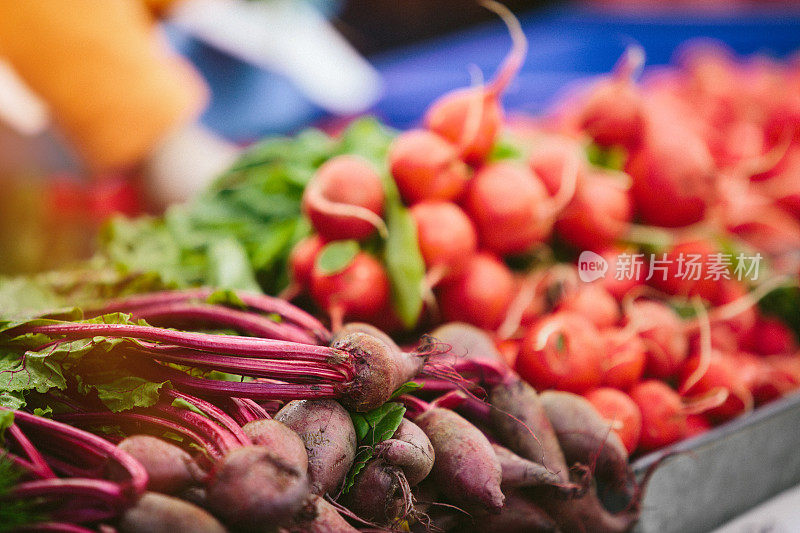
x,y
694,163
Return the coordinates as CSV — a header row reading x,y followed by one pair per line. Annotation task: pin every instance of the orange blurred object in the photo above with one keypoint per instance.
x,y
108,80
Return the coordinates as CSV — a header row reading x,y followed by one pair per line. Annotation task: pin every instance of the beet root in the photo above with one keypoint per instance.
x,y
381,493
251,488
327,432
520,515
170,469
319,516
410,450
281,441
156,513
519,472
521,423
380,369
587,438
588,514
466,467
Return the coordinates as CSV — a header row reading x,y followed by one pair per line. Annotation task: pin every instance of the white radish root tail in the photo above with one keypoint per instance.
x,y
328,207
519,48
704,360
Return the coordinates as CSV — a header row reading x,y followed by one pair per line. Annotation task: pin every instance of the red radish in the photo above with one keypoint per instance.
x,y
663,416
592,302
621,411
480,294
357,292
764,381
598,209
672,173
537,294
662,332
599,213
626,269
425,166
301,264
729,291
549,155
472,117
696,425
769,229
612,113
344,199
720,374
624,359
561,351
510,208
302,257
446,237
770,336
787,367
687,270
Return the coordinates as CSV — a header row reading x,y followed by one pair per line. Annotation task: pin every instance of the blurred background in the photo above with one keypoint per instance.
x,y
125,106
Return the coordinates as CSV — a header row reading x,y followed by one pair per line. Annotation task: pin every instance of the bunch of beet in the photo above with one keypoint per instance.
x,y
277,452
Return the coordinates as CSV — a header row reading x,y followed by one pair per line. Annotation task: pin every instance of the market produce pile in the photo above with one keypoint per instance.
x,y
606,280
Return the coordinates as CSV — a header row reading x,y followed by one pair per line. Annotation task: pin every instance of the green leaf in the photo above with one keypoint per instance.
x,y
784,303
6,421
505,148
404,263
46,412
405,388
29,371
336,256
226,297
229,266
128,392
22,298
94,363
183,404
368,138
372,428
612,158
12,400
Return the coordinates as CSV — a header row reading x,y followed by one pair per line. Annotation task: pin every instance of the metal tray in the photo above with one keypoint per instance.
x,y
722,473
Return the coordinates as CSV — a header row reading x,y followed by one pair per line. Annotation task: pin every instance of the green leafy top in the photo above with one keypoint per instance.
x,y
239,233
372,428
32,363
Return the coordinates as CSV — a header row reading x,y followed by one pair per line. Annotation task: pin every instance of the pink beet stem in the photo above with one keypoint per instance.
x,y
223,439
254,390
214,412
140,421
269,368
230,344
82,443
219,315
260,302
38,466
